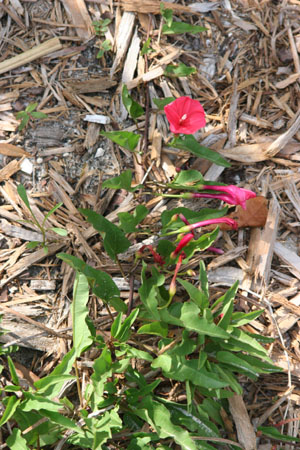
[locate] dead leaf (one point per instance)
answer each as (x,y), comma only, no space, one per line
(13,151)
(255,214)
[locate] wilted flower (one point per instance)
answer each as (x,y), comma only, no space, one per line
(157,258)
(185,115)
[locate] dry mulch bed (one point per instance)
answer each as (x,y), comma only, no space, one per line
(247,79)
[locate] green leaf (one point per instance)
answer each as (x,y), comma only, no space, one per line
(48,386)
(23,194)
(126,139)
(59,231)
(23,123)
(102,284)
(12,370)
(114,239)
(82,338)
(273,433)
(39,115)
(191,180)
(15,441)
(156,328)
(130,221)
(167,14)
(49,213)
(237,364)
(31,107)
(205,241)
(122,181)
(21,114)
(146,47)
(258,365)
(239,318)
(162,102)
(197,296)
(244,342)
(190,144)
(190,318)
(149,294)
(182,27)
(133,108)
(38,402)
(102,371)
(180,70)
(121,332)
(203,280)
(227,300)
(10,409)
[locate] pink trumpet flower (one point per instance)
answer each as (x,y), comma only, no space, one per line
(182,243)
(185,115)
(204,223)
(233,195)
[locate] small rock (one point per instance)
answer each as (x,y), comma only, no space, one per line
(27,166)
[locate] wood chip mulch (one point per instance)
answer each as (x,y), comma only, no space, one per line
(247,79)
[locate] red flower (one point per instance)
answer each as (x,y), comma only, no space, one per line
(182,243)
(185,115)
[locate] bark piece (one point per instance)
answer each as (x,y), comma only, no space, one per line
(245,430)
(79,16)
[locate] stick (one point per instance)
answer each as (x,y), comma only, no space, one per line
(30,55)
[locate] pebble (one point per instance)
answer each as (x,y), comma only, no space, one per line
(26,166)
(39,160)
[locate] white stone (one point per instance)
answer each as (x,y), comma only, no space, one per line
(100,152)
(27,166)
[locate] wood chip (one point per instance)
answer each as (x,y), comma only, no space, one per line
(245,430)
(79,16)
(288,257)
(30,55)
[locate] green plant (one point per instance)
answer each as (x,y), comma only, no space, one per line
(41,226)
(124,405)
(101,27)
(28,114)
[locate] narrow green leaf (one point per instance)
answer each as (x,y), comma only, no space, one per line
(60,231)
(181,70)
(274,433)
(23,194)
(39,115)
(49,213)
(190,144)
(51,387)
(114,239)
(167,14)
(126,139)
(146,47)
(11,407)
(21,114)
(162,102)
(82,338)
(23,123)
(240,318)
(238,365)
(259,365)
(182,27)
(156,328)
(31,107)
(13,373)
(133,108)
(123,332)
